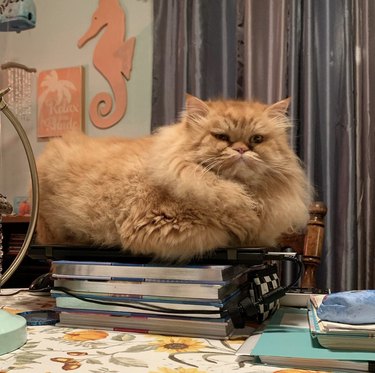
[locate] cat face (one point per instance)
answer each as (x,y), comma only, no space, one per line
(239,140)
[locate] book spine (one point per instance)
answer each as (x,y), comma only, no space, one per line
(159,301)
(189,315)
(119,270)
(114,329)
(151,289)
(314,327)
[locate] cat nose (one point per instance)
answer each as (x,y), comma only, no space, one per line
(240,147)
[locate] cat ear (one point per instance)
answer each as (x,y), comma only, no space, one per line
(279,108)
(195,107)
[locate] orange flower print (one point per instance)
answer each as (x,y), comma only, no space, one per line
(62,359)
(177,344)
(69,363)
(86,335)
(14,311)
(71,366)
(76,353)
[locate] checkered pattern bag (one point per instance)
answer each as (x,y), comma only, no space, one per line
(262,281)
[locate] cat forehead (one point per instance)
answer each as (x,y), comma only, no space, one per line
(238,115)
(233,107)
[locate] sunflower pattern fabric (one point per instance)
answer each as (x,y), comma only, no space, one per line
(57,349)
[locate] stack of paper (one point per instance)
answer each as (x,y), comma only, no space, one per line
(338,335)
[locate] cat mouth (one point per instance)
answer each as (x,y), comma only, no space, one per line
(233,163)
(244,168)
(248,159)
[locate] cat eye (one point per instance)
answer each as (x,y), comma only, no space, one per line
(256,139)
(221,136)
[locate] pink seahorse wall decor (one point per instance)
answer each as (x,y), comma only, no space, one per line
(113,58)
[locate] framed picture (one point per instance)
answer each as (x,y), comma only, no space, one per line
(60,101)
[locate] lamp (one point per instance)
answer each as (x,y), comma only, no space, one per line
(12,327)
(13,333)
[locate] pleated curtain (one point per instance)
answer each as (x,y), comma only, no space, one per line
(320,53)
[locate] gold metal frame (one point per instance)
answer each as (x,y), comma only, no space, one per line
(34,187)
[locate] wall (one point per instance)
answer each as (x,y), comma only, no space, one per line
(53,44)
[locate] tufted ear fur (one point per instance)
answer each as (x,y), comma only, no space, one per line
(195,108)
(279,108)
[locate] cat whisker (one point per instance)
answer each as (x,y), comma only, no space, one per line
(253,156)
(210,166)
(209,161)
(203,167)
(221,164)
(256,157)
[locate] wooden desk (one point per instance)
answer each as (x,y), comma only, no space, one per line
(55,349)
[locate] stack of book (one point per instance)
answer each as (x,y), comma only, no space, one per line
(190,300)
(15,242)
(297,338)
(333,335)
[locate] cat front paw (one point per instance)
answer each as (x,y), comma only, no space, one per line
(243,226)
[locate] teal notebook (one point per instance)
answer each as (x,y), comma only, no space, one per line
(287,341)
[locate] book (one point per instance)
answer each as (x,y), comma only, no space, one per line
(218,329)
(287,341)
(339,335)
(144,305)
(193,300)
(299,297)
(110,270)
(158,288)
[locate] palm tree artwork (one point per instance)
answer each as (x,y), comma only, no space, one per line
(60,101)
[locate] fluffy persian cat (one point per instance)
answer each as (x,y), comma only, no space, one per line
(223,176)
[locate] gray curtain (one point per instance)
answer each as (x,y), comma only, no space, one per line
(265,51)
(169,61)
(319,52)
(364,131)
(335,85)
(328,142)
(195,51)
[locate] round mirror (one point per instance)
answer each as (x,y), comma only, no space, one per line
(34,187)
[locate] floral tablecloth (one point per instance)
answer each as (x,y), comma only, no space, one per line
(57,349)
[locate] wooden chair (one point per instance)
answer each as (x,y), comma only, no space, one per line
(309,244)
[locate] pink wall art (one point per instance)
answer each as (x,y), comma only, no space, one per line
(60,101)
(113,58)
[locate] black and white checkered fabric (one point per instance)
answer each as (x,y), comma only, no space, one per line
(262,282)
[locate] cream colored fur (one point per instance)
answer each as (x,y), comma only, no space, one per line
(181,192)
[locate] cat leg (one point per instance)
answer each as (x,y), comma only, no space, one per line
(172,239)
(182,236)
(47,234)
(43,233)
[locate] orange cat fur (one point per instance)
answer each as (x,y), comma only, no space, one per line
(223,176)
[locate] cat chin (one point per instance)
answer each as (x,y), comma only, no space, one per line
(243,169)
(244,176)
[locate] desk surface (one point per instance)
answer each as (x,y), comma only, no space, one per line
(57,349)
